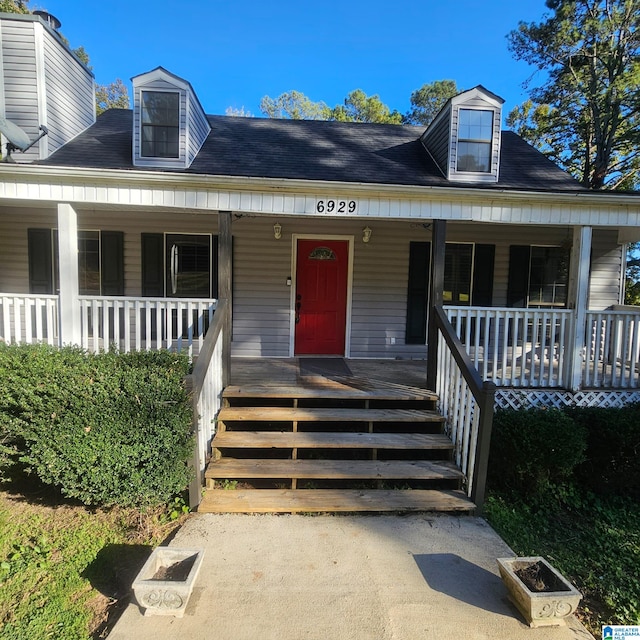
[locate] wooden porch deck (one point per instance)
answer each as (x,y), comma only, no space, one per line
(314,373)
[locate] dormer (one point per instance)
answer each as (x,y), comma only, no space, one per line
(169,123)
(464,138)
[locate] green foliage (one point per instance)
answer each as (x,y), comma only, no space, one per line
(294,105)
(586,114)
(359,107)
(14,6)
(427,101)
(594,541)
(532,449)
(106,429)
(111,96)
(612,464)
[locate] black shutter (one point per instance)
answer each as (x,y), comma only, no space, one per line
(214,267)
(153,264)
(40,261)
(112,263)
(518,287)
(485,256)
(418,292)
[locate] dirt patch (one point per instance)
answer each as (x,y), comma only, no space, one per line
(538,578)
(178,571)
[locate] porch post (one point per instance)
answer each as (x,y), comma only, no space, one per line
(578,296)
(436,286)
(224,288)
(68,261)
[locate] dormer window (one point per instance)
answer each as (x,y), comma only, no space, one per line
(475,135)
(160,124)
(169,123)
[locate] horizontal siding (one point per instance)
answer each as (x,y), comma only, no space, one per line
(606,269)
(198,128)
(437,141)
(70,94)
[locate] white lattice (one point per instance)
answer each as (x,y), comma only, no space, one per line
(528,398)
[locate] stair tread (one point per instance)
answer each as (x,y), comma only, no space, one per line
(330,500)
(334,469)
(374,390)
(290,414)
(330,440)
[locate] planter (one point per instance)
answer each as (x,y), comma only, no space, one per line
(546,598)
(166,580)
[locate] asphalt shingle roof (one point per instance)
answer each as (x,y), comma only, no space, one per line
(312,150)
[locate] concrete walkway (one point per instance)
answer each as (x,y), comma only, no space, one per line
(294,577)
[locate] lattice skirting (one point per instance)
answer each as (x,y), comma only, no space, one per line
(528,398)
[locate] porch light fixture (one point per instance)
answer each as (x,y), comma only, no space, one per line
(366,234)
(277,231)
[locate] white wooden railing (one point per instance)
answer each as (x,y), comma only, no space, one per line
(205,385)
(612,352)
(29,318)
(134,324)
(515,347)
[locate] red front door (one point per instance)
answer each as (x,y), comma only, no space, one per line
(321,297)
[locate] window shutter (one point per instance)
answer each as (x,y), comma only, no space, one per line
(40,261)
(153,264)
(518,287)
(418,292)
(484,261)
(112,263)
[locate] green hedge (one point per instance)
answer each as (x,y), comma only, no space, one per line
(532,449)
(106,429)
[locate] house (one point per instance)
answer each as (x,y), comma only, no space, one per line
(361,241)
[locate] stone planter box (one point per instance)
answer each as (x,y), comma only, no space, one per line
(166,580)
(539,608)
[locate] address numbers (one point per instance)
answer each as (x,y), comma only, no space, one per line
(336,206)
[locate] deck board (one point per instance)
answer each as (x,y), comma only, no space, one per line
(329,500)
(228,468)
(290,414)
(329,440)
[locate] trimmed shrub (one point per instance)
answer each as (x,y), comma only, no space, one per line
(612,464)
(533,449)
(106,429)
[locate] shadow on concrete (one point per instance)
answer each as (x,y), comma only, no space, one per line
(456,577)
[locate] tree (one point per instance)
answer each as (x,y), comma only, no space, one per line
(586,116)
(238,112)
(14,6)
(358,107)
(111,96)
(294,105)
(427,101)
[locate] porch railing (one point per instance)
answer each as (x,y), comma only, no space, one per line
(612,350)
(134,324)
(466,402)
(205,385)
(29,318)
(515,347)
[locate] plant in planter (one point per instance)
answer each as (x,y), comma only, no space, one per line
(166,580)
(541,594)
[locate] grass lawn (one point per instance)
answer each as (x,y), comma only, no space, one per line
(593,541)
(65,570)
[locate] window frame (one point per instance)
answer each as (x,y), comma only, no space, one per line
(485,142)
(154,142)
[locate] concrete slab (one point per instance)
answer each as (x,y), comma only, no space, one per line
(294,577)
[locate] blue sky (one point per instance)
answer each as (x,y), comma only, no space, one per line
(236,51)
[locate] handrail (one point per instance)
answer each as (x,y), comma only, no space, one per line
(483,393)
(205,385)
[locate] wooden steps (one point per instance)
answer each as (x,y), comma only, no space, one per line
(327,500)
(351,445)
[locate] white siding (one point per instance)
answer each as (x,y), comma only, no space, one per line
(198,128)
(606,270)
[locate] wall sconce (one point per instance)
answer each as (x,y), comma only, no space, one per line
(277,231)
(366,234)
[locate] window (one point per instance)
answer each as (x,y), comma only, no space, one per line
(160,125)
(538,276)
(100,262)
(475,135)
(468,280)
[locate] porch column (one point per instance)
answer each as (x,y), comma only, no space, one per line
(436,286)
(68,261)
(224,288)
(578,295)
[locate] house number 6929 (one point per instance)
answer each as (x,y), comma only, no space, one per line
(336,206)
